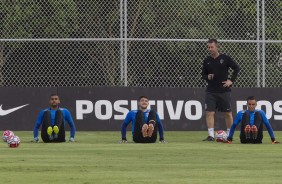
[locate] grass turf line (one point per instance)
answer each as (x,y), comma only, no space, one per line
(97,157)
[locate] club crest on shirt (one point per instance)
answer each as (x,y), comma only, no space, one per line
(221,61)
(279,63)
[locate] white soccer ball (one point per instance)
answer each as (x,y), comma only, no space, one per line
(221,136)
(13,141)
(6,134)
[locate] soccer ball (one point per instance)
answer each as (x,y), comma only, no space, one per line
(221,136)
(13,141)
(6,134)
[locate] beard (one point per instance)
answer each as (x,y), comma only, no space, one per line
(54,106)
(143,107)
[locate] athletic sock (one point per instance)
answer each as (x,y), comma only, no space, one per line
(227,131)
(211,132)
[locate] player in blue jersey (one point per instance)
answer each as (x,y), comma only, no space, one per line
(252,121)
(53,121)
(145,124)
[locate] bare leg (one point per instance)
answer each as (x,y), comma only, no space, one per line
(228,119)
(210,119)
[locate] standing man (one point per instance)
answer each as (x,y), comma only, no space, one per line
(145,124)
(252,121)
(218,93)
(53,121)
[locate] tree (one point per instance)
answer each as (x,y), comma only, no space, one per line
(32,19)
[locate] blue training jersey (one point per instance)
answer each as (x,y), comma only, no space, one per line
(66,115)
(239,117)
(130,118)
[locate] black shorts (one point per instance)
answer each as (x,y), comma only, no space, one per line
(218,101)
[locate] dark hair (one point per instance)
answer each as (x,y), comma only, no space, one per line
(142,96)
(53,94)
(251,98)
(213,40)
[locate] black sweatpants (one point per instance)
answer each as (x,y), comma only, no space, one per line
(259,124)
(59,121)
(137,135)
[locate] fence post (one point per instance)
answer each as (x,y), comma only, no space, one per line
(263,42)
(121,43)
(125,43)
(258,44)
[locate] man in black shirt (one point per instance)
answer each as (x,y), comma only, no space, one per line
(218,92)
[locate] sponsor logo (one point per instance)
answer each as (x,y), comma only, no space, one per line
(8,111)
(266,106)
(167,109)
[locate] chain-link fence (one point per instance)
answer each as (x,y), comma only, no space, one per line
(136,43)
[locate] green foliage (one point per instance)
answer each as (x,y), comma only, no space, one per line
(38,19)
(164,19)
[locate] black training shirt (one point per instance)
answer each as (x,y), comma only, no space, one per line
(219,67)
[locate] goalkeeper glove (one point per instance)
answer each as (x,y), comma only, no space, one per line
(36,139)
(273,141)
(71,139)
(162,140)
(123,140)
(229,140)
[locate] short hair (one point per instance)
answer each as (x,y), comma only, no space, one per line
(142,96)
(251,98)
(53,94)
(213,40)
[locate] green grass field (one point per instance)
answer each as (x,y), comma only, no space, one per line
(98,157)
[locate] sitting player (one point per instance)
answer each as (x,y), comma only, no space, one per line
(252,124)
(145,124)
(53,121)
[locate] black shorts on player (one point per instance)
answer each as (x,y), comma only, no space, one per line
(218,101)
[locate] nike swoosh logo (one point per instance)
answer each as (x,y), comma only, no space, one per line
(5,112)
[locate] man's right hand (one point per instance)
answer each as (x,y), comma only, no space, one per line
(210,76)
